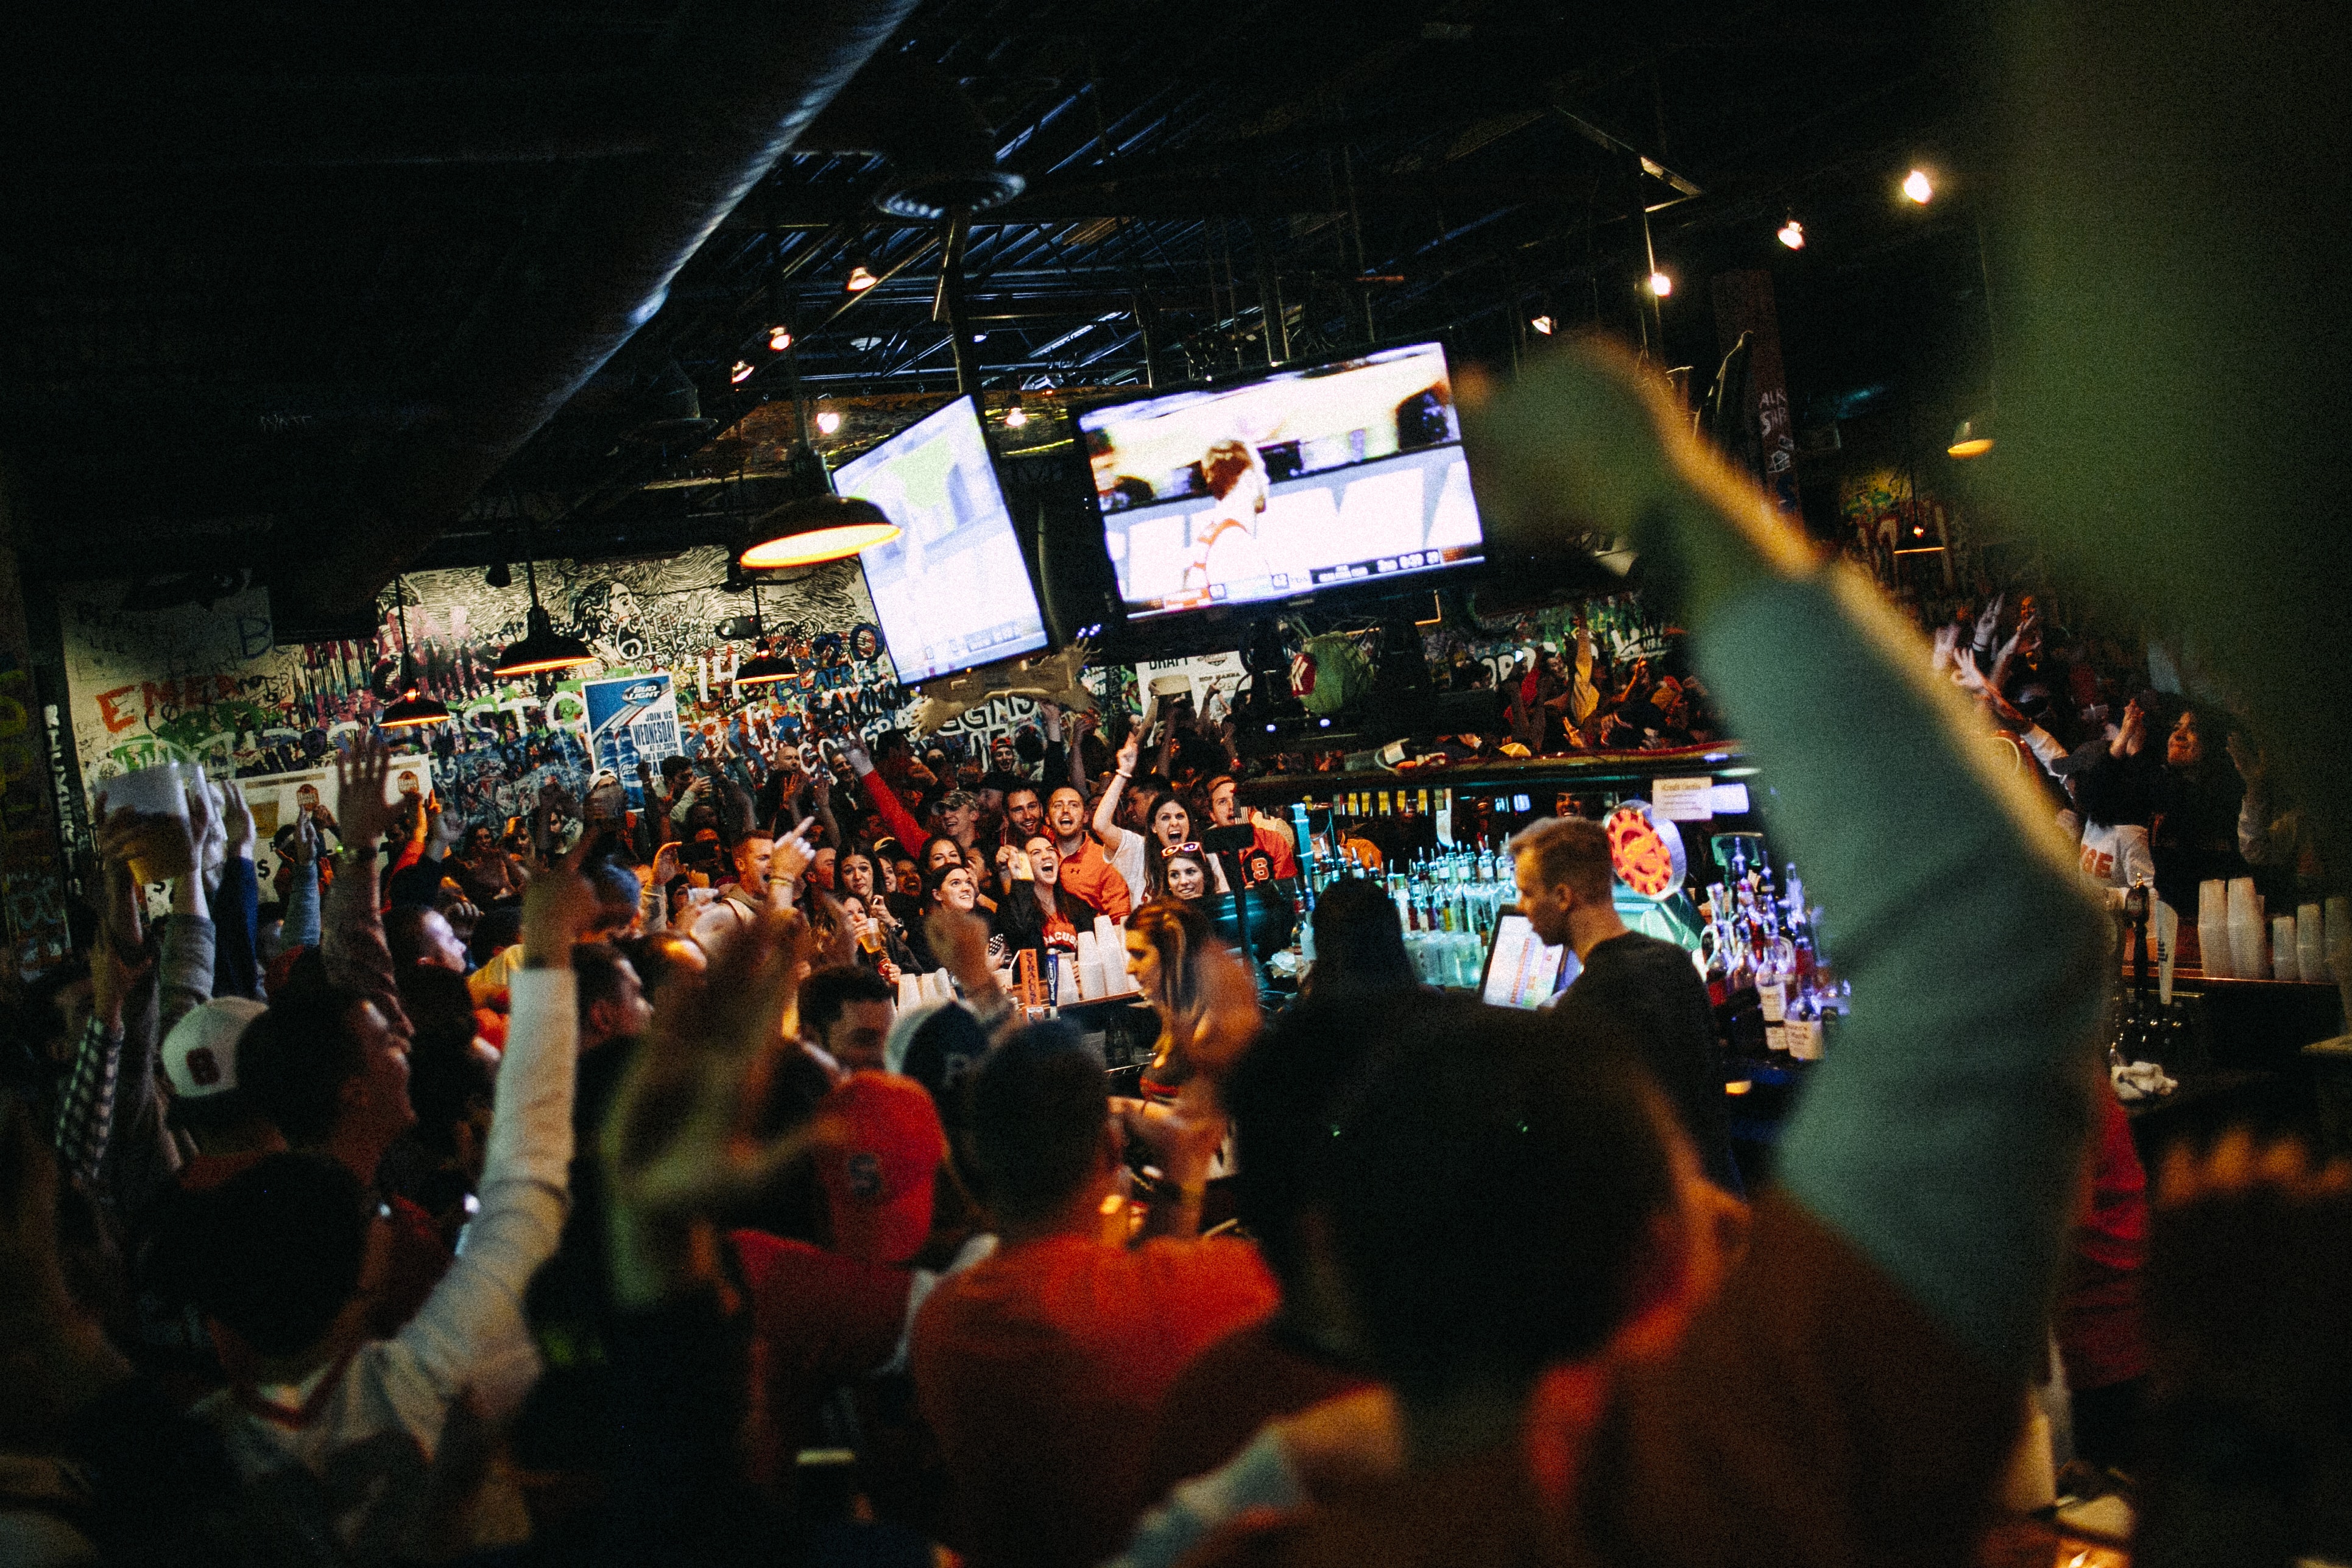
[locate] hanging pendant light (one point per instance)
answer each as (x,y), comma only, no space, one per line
(542,649)
(1972,439)
(413,710)
(816,528)
(765,668)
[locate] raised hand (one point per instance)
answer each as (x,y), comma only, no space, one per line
(678,1141)
(1132,749)
(790,861)
(557,908)
(205,829)
(440,830)
(236,818)
(1989,622)
(960,938)
(360,775)
(665,867)
(305,841)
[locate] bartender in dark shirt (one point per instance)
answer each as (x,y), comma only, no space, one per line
(1643,991)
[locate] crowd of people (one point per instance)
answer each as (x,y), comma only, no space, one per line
(2151,782)
(596,1197)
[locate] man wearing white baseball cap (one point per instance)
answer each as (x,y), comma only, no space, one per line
(200,1064)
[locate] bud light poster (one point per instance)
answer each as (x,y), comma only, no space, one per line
(631,717)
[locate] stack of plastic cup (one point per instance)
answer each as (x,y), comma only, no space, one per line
(911,991)
(2213,929)
(2247,934)
(157,791)
(1090,987)
(2284,963)
(2310,944)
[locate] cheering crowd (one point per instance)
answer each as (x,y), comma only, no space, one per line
(599,1202)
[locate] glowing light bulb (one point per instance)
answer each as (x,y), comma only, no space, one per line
(1543,324)
(828,420)
(861,277)
(779,338)
(741,373)
(1793,235)
(1660,284)
(1015,417)
(1919,187)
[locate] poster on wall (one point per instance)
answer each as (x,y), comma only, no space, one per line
(631,718)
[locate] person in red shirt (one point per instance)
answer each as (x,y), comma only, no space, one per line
(1041,1370)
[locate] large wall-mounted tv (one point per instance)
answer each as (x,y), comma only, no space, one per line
(951,592)
(1293,483)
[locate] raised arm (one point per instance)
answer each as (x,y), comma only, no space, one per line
(893,815)
(352,941)
(236,910)
(302,904)
(1107,813)
(1942,1139)
(476,1312)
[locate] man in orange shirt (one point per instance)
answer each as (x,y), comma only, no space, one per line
(1041,1370)
(1085,870)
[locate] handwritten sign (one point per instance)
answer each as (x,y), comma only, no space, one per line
(1682,800)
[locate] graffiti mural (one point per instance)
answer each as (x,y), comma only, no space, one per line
(208,682)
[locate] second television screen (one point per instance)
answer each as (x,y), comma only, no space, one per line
(952,590)
(1302,480)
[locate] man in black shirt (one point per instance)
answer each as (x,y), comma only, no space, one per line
(1643,991)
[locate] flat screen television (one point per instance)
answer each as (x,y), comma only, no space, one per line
(1522,970)
(951,592)
(1293,483)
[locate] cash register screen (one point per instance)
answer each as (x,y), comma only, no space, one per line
(1522,971)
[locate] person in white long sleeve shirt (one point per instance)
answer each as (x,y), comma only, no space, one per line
(363,1440)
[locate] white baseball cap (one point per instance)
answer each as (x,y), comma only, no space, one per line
(200,1053)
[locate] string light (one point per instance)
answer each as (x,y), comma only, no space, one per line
(1793,235)
(741,373)
(1660,284)
(1015,417)
(1919,187)
(828,420)
(1543,324)
(779,338)
(861,277)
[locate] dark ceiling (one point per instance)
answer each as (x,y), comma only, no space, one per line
(334,291)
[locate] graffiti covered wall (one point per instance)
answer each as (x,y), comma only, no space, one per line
(206,684)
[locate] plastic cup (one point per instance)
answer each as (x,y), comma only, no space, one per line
(2311,943)
(2244,904)
(2284,961)
(2248,950)
(157,791)
(2213,949)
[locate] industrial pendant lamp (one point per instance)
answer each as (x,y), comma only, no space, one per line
(1972,439)
(816,529)
(413,710)
(766,667)
(542,649)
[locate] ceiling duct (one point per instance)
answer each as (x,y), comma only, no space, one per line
(942,155)
(674,405)
(761,72)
